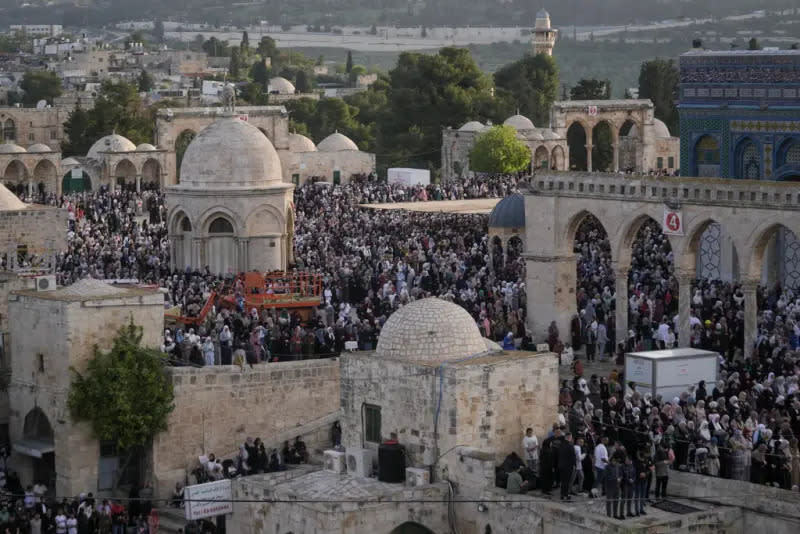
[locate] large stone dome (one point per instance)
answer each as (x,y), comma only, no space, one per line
(508,213)
(520,122)
(39,147)
(659,129)
(336,142)
(301,143)
(281,86)
(9,201)
(230,153)
(110,143)
(430,331)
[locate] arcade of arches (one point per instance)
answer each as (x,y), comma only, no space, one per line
(624,207)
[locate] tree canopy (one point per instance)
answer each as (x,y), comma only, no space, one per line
(124,394)
(320,118)
(591,89)
(39,85)
(658,81)
(499,151)
(531,85)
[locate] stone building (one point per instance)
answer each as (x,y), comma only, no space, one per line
(28,126)
(67,323)
(335,160)
(548,147)
(738,112)
(36,169)
(666,148)
(544,37)
(114,161)
(231,210)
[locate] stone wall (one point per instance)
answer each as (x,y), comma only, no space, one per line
(217,408)
(33,126)
(323,164)
(41,229)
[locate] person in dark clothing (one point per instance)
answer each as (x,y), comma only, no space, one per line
(546,464)
(566,464)
(612,479)
(628,484)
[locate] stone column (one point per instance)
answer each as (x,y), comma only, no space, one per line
(615,164)
(589,157)
(176,252)
(550,292)
(621,305)
(750,315)
(138,183)
(198,244)
(244,260)
(684,307)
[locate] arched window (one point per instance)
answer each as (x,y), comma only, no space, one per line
(706,157)
(9,130)
(793,154)
(186,224)
(220,226)
(748,165)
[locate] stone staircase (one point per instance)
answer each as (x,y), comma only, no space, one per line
(171,519)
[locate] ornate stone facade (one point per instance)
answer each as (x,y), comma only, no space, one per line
(25,171)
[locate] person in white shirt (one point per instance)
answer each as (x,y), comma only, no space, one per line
(600,461)
(61,523)
(663,332)
(531,447)
(72,524)
(577,475)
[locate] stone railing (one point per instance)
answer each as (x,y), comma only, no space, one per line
(645,188)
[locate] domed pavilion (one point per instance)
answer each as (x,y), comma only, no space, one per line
(231,210)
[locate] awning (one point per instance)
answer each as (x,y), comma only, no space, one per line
(33,447)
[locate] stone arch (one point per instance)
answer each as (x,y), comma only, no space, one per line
(37,426)
(265,220)
(202,223)
(222,245)
(45,176)
(182,232)
(76,184)
(181,144)
(540,158)
(290,236)
(629,139)
(628,234)
(411,527)
(15,176)
(603,143)
(625,129)
(151,172)
(557,159)
(788,152)
(786,249)
(574,224)
(706,152)
(514,247)
(221,225)
(125,173)
(747,158)
(576,141)
(697,236)
(8,128)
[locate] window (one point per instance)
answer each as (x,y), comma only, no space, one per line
(186,225)
(31,137)
(40,362)
(660,163)
(708,151)
(372,423)
(793,155)
(53,134)
(220,226)
(749,167)
(671,162)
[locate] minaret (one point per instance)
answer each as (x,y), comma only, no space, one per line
(544,37)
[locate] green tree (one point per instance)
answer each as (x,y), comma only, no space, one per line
(531,84)
(245,44)
(267,47)
(259,73)
(349,64)
(235,64)
(39,85)
(76,127)
(355,72)
(498,151)
(752,44)
(301,82)
(591,89)
(216,48)
(658,81)
(255,94)
(124,394)
(145,82)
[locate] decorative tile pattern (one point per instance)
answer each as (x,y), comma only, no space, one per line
(791,260)
(711,253)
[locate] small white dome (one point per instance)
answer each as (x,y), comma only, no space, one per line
(542,20)
(472,126)
(301,143)
(336,142)
(146,147)
(534,135)
(549,134)
(39,147)
(230,153)
(280,85)
(9,201)
(430,331)
(70,162)
(519,122)
(661,129)
(11,148)
(110,143)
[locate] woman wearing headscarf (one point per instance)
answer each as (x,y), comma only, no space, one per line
(758,468)
(740,450)
(208,351)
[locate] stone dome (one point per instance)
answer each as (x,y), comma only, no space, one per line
(535,135)
(146,147)
(110,143)
(301,143)
(508,213)
(520,122)
(9,201)
(472,126)
(549,134)
(280,85)
(336,142)
(39,147)
(230,153)
(11,148)
(659,129)
(542,20)
(430,331)
(68,162)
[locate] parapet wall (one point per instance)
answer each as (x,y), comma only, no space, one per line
(217,408)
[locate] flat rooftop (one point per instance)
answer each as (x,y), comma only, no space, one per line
(477,206)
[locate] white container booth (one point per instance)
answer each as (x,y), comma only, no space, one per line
(670,372)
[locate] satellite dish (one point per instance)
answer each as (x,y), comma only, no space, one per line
(41,104)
